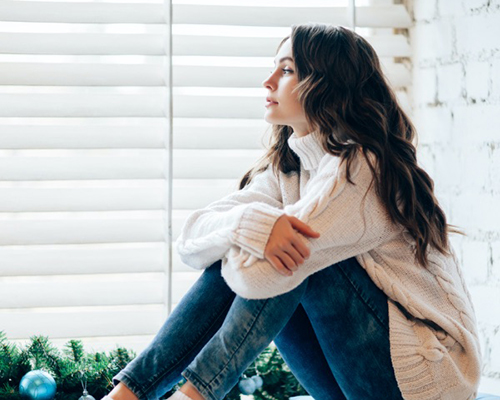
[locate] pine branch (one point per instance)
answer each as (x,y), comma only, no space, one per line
(74,350)
(45,354)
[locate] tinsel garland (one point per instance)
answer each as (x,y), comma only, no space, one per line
(99,368)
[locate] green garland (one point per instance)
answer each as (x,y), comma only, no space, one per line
(98,369)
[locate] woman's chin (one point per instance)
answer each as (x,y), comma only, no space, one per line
(270,119)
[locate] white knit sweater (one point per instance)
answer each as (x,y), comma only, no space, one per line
(435,349)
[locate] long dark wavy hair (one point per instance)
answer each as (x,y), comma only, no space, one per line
(348,101)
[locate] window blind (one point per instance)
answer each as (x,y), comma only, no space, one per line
(85,122)
(99,168)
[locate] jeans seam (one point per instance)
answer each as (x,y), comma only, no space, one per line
(374,312)
(239,346)
(140,393)
(195,378)
(165,372)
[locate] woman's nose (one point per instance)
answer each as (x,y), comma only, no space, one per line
(267,83)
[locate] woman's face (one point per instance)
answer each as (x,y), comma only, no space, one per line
(285,108)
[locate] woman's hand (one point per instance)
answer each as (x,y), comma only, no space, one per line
(284,249)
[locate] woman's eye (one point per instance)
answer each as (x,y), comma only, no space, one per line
(283,69)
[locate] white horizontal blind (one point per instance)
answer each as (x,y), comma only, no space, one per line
(97,208)
(85,133)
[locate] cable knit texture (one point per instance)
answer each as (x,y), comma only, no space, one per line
(433,336)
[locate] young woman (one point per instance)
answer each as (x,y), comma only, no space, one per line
(335,247)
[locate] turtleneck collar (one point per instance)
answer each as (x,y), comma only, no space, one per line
(308,148)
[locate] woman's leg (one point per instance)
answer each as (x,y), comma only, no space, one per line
(222,355)
(300,349)
(188,328)
(349,315)
(346,315)
(250,326)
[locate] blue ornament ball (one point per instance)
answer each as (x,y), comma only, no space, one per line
(258,381)
(37,385)
(247,386)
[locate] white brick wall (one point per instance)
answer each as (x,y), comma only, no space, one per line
(456,110)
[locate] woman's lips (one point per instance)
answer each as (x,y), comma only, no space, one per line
(270,103)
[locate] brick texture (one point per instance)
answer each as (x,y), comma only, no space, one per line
(455,101)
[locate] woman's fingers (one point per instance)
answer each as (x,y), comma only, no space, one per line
(301,248)
(280,267)
(303,227)
(287,261)
(295,255)
(285,249)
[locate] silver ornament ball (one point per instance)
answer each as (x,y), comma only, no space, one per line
(86,396)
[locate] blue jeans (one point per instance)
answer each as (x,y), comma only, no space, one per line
(332,331)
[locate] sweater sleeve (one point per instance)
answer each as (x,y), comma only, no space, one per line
(351,220)
(244,218)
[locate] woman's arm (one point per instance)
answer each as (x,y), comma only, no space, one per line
(349,224)
(241,219)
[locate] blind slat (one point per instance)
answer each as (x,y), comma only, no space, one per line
(387,46)
(90,291)
(88,227)
(77,43)
(90,259)
(151,45)
(93,258)
(74,228)
(74,197)
(130,133)
(82,12)
(110,195)
(188,164)
(83,104)
(394,15)
(81,290)
(106,321)
(71,74)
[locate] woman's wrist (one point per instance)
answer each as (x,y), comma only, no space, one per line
(255,227)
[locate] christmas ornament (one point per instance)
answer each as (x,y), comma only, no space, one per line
(247,386)
(86,395)
(37,385)
(258,381)
(250,385)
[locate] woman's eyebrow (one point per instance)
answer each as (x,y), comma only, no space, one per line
(284,58)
